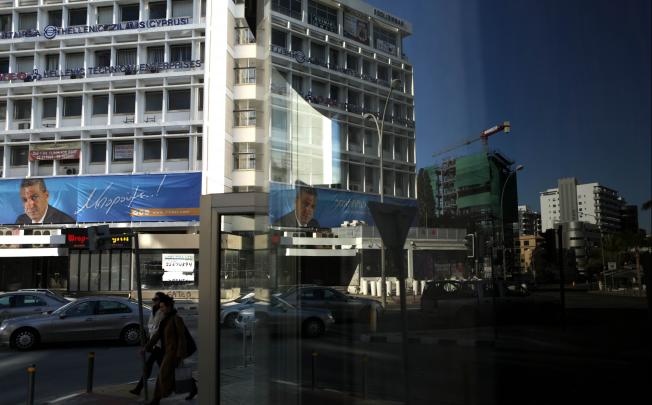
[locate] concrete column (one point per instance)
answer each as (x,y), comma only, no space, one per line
(410,262)
(373,288)
(364,286)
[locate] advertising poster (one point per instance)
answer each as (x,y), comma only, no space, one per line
(314,207)
(129,198)
(356,28)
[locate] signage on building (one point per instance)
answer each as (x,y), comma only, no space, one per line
(54,151)
(355,28)
(123,152)
(142,68)
(178,266)
(51,32)
(385,46)
(388,17)
(77,238)
(113,198)
(331,207)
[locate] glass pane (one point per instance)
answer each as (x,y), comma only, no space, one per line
(105,274)
(73,271)
(126,270)
(94,271)
(115,271)
(84,259)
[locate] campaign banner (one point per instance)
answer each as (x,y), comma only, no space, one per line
(137,198)
(356,28)
(54,151)
(316,207)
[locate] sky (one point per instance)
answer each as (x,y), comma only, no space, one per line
(571,76)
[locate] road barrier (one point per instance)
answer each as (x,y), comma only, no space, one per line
(31,375)
(89,375)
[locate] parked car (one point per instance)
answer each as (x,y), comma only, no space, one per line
(229,310)
(281,317)
(482,301)
(19,303)
(89,318)
(49,292)
(343,307)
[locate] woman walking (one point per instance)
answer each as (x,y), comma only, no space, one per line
(171,333)
(156,355)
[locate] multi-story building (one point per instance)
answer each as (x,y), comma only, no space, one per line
(590,203)
(529,221)
(527,245)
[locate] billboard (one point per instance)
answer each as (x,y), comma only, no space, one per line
(128,198)
(314,207)
(356,28)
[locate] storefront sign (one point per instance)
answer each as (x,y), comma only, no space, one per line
(178,267)
(77,238)
(54,151)
(114,198)
(355,28)
(51,32)
(142,68)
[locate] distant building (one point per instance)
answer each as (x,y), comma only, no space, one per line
(591,203)
(527,245)
(529,221)
(629,218)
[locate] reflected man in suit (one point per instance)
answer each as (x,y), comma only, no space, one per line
(34,195)
(305,204)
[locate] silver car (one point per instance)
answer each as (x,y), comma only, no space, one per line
(19,303)
(90,318)
(229,310)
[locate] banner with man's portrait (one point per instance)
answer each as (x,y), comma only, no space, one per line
(356,28)
(140,198)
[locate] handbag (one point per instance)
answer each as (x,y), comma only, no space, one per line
(183,381)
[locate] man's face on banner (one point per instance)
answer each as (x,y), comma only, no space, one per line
(35,201)
(305,207)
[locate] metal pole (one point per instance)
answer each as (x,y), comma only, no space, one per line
(141,318)
(31,374)
(398,262)
(89,375)
(502,220)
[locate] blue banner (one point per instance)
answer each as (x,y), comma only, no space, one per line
(150,197)
(314,207)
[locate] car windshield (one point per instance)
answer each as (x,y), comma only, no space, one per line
(279,302)
(244,298)
(63,309)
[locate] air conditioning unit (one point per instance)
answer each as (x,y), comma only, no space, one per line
(69,170)
(23,125)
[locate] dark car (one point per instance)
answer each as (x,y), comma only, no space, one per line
(343,307)
(483,301)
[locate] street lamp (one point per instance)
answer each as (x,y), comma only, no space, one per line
(502,213)
(379,128)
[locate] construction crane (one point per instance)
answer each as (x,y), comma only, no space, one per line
(484,137)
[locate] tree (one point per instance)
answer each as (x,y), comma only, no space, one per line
(425,199)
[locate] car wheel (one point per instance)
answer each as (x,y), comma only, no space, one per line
(25,339)
(229,320)
(131,335)
(313,328)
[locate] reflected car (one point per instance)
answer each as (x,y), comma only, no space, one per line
(279,316)
(343,307)
(482,301)
(89,318)
(229,310)
(52,293)
(19,303)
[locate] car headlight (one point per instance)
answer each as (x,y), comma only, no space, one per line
(330,317)
(3,326)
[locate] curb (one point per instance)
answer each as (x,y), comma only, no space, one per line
(428,340)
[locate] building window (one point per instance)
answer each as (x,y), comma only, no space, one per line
(245,74)
(77,16)
(279,38)
(179,100)
(180,53)
(244,36)
(181,8)
(98,152)
(5,22)
(103,58)
(198,153)
(122,151)
(25,64)
(55,18)
(152,149)
(124,103)
(3,110)
(322,16)
(22,109)
(105,15)
(101,104)
(129,13)
(244,155)
(244,113)
(155,54)
(19,155)
(72,106)
(4,65)
(290,8)
(126,57)
(153,101)
(200,103)
(50,108)
(177,148)
(157,10)
(75,61)
(384,40)
(52,62)
(26,21)
(297,43)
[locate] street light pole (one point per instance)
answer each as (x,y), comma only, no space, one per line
(379,129)
(502,213)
